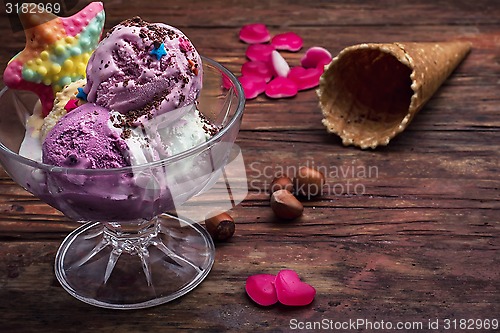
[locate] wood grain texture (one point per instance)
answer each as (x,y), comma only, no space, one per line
(418,241)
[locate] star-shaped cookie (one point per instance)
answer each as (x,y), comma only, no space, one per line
(56,53)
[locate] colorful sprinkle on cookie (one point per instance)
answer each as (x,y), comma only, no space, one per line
(56,53)
(71,105)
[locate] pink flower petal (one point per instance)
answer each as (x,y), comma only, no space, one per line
(305,78)
(281,87)
(254,33)
(316,56)
(257,68)
(288,41)
(253,86)
(291,291)
(280,66)
(261,289)
(259,52)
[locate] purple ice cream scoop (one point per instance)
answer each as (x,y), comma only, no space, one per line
(143,70)
(84,139)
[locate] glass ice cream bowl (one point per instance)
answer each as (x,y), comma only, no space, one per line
(133,250)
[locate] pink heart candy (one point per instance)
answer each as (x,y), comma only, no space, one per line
(316,57)
(288,41)
(255,33)
(253,86)
(259,52)
(291,291)
(261,289)
(281,87)
(305,78)
(257,68)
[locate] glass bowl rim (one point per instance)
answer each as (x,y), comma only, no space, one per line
(163,162)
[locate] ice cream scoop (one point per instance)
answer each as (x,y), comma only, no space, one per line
(144,70)
(161,139)
(84,139)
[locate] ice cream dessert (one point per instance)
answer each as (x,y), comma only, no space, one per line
(137,104)
(149,75)
(142,83)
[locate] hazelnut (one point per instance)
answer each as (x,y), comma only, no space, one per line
(281,183)
(221,227)
(285,205)
(309,182)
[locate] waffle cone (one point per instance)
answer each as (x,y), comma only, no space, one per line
(370,92)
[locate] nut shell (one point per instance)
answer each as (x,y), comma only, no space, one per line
(285,205)
(221,227)
(309,182)
(281,183)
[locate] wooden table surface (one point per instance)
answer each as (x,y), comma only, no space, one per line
(418,241)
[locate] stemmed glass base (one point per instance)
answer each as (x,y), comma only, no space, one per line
(133,266)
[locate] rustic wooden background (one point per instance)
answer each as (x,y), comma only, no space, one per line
(420,243)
